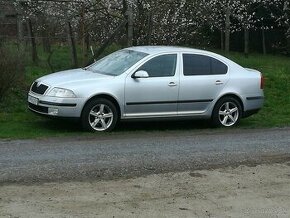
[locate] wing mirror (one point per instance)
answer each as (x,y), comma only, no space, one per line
(140,74)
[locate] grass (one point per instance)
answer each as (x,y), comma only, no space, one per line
(16,122)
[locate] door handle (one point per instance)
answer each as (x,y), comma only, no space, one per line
(218,82)
(172,84)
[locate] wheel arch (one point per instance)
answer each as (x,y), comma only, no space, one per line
(108,97)
(216,122)
(232,95)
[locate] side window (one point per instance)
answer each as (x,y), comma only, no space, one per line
(161,66)
(218,67)
(196,65)
(202,65)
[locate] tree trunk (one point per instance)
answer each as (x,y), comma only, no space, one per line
(264,41)
(46,43)
(87,42)
(45,40)
(49,61)
(32,41)
(246,42)
(288,45)
(227,30)
(150,28)
(20,32)
(83,34)
(71,40)
(130,22)
(222,40)
(125,8)
(288,40)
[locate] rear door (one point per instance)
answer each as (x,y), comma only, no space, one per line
(202,79)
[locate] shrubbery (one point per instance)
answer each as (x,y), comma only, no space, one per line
(11,71)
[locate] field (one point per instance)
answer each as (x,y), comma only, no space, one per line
(17,122)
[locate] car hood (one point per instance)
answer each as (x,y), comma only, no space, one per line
(67,77)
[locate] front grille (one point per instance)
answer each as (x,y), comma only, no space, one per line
(39,89)
(38,108)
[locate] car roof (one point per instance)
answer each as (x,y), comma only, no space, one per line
(154,50)
(162,49)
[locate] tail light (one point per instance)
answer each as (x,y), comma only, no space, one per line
(262,84)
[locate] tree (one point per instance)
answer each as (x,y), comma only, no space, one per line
(184,22)
(280,11)
(218,15)
(248,18)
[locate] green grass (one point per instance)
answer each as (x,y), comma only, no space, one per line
(17,122)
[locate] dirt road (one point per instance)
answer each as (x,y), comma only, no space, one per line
(260,192)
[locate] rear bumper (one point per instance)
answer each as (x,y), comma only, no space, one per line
(253,105)
(253,102)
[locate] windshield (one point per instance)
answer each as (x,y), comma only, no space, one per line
(117,63)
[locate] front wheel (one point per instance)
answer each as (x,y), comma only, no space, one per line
(227,112)
(99,115)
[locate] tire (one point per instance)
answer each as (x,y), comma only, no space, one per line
(227,112)
(99,115)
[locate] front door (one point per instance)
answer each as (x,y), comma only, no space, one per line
(157,95)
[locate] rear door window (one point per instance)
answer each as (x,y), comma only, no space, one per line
(194,64)
(217,67)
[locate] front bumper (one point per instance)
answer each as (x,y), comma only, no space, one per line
(56,107)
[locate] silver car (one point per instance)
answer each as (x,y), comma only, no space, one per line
(150,82)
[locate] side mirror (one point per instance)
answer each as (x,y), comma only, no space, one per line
(140,74)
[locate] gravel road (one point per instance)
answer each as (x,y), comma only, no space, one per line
(123,155)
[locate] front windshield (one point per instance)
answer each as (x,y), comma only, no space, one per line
(117,63)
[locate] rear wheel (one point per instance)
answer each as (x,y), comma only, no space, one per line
(227,112)
(99,115)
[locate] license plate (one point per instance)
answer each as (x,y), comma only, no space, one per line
(32,100)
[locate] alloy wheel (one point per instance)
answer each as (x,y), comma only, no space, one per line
(101,117)
(228,114)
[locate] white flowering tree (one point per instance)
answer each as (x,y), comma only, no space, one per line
(100,22)
(218,14)
(248,17)
(280,12)
(74,19)
(166,22)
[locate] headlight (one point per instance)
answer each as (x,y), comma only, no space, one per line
(61,93)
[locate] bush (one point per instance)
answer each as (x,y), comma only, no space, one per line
(11,71)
